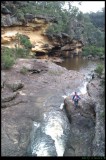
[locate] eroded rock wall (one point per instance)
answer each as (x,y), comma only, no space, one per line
(35,27)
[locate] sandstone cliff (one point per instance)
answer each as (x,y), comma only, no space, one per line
(35,28)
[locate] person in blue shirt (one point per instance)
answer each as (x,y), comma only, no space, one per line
(76,99)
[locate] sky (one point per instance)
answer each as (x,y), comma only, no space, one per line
(90,6)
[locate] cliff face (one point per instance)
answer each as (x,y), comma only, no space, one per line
(35,27)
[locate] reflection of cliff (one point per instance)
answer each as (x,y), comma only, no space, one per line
(35,27)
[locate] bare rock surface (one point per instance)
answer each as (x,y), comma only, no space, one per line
(87,122)
(82,126)
(40,91)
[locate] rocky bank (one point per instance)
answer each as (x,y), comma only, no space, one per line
(33,88)
(27,97)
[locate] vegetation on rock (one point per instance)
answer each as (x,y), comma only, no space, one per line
(24,70)
(89,27)
(7,58)
(99,69)
(93,50)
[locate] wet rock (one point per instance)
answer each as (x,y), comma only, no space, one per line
(69,152)
(51,136)
(41,144)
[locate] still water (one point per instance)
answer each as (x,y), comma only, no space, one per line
(79,64)
(85,66)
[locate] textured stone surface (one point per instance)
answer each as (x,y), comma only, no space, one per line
(35,28)
(40,91)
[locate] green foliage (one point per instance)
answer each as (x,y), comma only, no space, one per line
(24,70)
(20,15)
(24,41)
(21,53)
(9,55)
(102,83)
(89,27)
(7,58)
(98,18)
(93,50)
(99,69)
(102,115)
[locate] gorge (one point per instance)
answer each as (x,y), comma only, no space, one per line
(37,114)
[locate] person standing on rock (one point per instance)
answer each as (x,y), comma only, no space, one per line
(76,99)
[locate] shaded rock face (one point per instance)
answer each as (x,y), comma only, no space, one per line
(95,90)
(87,122)
(35,28)
(82,131)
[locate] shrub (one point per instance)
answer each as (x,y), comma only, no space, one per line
(85,51)
(93,50)
(7,58)
(21,53)
(25,41)
(20,15)
(24,70)
(102,115)
(99,69)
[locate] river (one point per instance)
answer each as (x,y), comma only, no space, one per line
(79,64)
(82,65)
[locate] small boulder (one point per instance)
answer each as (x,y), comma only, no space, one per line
(15,86)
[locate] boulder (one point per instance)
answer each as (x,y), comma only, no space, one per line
(82,127)
(4,10)
(15,86)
